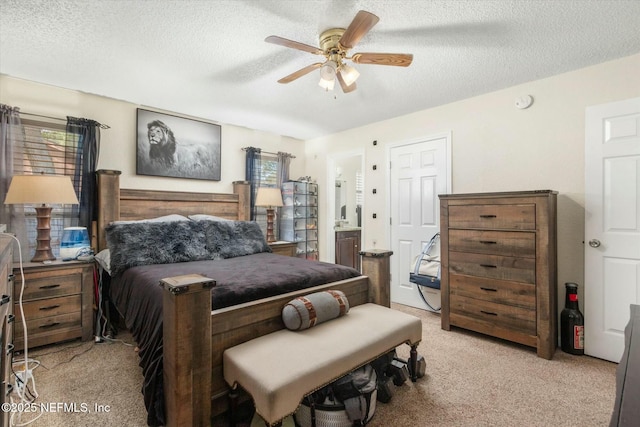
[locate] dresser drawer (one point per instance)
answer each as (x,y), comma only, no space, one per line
(497,291)
(503,316)
(39,285)
(489,216)
(493,266)
(510,243)
(49,307)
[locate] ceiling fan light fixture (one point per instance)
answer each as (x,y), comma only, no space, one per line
(328,75)
(327,84)
(328,70)
(349,74)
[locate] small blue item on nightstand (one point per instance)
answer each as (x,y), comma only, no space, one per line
(75,241)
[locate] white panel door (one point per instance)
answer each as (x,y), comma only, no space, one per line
(612,224)
(418,173)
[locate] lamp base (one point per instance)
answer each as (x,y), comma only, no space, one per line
(43,241)
(270,236)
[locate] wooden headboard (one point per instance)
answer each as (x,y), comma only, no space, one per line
(116,204)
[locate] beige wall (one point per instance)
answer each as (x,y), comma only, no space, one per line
(118,144)
(496,147)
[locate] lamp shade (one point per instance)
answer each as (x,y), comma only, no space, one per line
(267,196)
(41,189)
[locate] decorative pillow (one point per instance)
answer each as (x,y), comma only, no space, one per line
(313,309)
(204,217)
(165,218)
(230,239)
(144,243)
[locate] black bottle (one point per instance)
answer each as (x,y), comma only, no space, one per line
(572,323)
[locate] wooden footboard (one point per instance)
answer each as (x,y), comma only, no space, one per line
(186,301)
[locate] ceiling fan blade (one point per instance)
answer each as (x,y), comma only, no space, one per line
(343,85)
(395,59)
(294,45)
(301,72)
(361,24)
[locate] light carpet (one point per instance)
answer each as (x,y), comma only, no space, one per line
(471,380)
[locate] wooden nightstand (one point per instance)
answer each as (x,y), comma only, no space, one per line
(283,248)
(57,300)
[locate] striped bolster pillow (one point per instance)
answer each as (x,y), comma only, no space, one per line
(313,309)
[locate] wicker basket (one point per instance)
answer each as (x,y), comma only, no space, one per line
(331,413)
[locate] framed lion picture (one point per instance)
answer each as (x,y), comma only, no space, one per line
(177,147)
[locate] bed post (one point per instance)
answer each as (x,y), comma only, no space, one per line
(243,190)
(108,202)
(187,350)
(377,266)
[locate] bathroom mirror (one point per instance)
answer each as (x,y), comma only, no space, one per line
(348,192)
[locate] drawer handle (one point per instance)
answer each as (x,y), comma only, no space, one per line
(488,242)
(49,325)
(49,286)
(11,318)
(9,389)
(11,278)
(488,289)
(488,266)
(50,307)
(488,216)
(10,348)
(488,313)
(5,299)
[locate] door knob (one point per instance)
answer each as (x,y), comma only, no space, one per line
(594,243)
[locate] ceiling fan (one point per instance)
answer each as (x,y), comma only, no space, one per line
(335,44)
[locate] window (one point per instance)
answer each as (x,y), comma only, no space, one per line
(266,173)
(47,148)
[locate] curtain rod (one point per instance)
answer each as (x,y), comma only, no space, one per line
(60,119)
(269,152)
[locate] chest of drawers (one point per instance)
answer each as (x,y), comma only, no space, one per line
(498,253)
(57,302)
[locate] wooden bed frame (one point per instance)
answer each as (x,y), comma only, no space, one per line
(194,336)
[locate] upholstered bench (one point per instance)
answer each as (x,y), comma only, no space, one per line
(280,368)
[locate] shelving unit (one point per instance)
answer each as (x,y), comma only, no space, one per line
(299,217)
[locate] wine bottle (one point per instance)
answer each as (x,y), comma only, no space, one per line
(572,322)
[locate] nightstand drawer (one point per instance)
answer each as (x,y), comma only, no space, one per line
(41,285)
(493,266)
(506,217)
(510,243)
(49,307)
(46,326)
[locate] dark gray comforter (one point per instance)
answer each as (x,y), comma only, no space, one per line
(138,297)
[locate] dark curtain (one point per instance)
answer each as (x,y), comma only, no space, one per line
(253,164)
(84,160)
(284,160)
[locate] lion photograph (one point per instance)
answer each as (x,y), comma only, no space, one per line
(177,147)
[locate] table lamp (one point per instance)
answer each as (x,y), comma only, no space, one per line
(42,191)
(269,198)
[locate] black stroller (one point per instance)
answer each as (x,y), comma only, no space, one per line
(425,271)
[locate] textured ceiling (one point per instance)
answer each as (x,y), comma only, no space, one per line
(208,58)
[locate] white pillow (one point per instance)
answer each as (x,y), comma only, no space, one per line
(204,217)
(104,259)
(165,218)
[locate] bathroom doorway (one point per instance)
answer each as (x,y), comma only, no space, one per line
(346,203)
